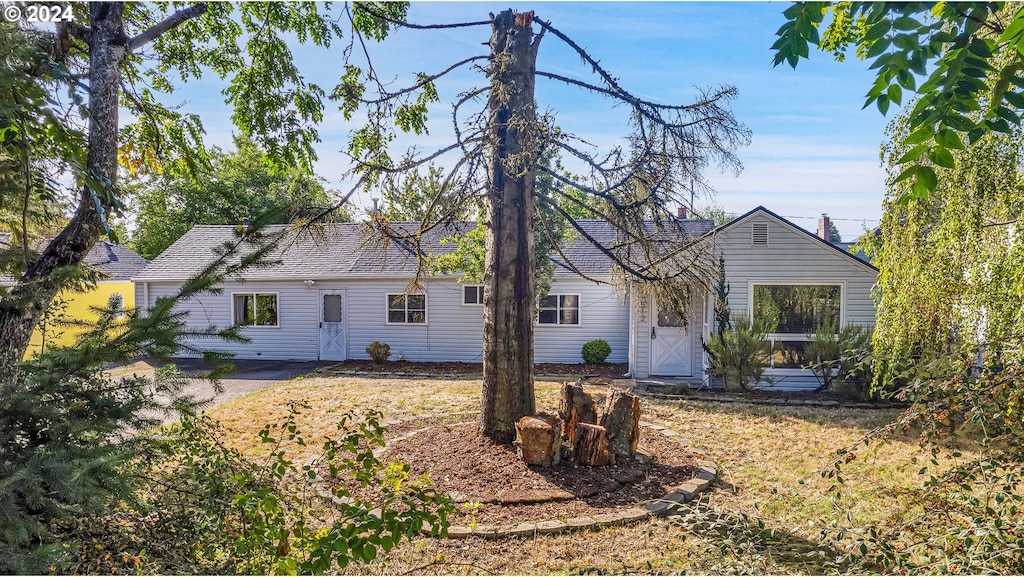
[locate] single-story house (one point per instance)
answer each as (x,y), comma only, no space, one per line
(333,294)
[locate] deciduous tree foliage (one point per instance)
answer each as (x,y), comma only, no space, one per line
(116,54)
(499,138)
(240,184)
(960,62)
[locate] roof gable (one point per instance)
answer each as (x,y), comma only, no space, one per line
(760,210)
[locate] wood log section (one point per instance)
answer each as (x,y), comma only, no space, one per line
(539,440)
(591,446)
(575,407)
(621,420)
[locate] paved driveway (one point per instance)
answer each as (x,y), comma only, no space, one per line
(249,375)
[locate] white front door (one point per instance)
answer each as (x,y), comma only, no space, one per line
(332,325)
(671,344)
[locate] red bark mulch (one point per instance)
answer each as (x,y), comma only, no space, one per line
(473,469)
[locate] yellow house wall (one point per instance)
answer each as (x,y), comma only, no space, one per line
(79,308)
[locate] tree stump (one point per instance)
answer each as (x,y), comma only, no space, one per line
(575,407)
(591,446)
(621,419)
(539,440)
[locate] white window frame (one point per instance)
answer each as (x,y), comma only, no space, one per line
(799,337)
(480,293)
(558,310)
(118,312)
(406,323)
(277,299)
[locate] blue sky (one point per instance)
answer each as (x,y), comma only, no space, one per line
(813,149)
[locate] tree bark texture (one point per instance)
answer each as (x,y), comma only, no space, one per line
(591,446)
(575,407)
(621,418)
(508,270)
(539,440)
(21,308)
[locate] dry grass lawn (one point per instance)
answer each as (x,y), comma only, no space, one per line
(768,456)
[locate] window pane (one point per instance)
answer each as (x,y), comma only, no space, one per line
(396,302)
(668,318)
(569,300)
(548,317)
(797,309)
(549,302)
(417,302)
(789,354)
(417,317)
(570,317)
(332,308)
(396,316)
(469,295)
(116,304)
(244,309)
(266,310)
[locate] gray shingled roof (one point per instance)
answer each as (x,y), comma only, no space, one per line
(117,262)
(353,250)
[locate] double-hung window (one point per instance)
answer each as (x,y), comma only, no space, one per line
(255,309)
(473,294)
(559,310)
(407,309)
(795,312)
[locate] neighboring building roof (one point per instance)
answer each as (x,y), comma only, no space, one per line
(760,209)
(117,262)
(354,250)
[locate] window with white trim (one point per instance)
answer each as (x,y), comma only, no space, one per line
(116,305)
(407,309)
(795,312)
(559,310)
(255,309)
(473,295)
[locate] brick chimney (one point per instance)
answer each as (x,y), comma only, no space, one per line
(681,213)
(824,227)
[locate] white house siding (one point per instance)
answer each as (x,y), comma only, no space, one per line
(295,338)
(603,315)
(792,256)
(453,331)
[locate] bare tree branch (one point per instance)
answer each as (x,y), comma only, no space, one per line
(424,81)
(369,10)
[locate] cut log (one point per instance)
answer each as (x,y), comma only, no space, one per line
(591,446)
(539,440)
(575,407)
(594,380)
(621,419)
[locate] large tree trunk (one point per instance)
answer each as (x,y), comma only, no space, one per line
(508,274)
(21,308)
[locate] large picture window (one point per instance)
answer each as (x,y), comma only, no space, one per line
(559,310)
(407,309)
(255,309)
(795,313)
(798,309)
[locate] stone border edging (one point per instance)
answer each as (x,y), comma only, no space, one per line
(406,374)
(727,398)
(666,505)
